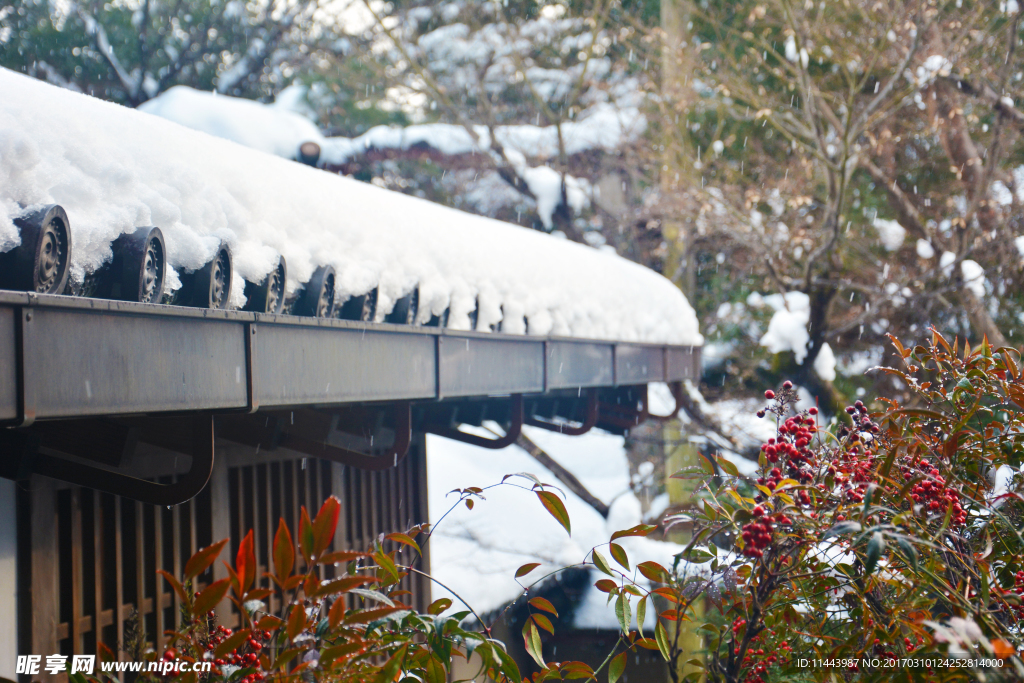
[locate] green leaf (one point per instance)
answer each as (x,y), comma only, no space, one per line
(392,667)
(847,527)
(623,612)
(602,563)
(616,667)
(728,467)
(620,555)
(641,614)
(910,552)
(875,547)
(554,505)
(531,636)
(661,637)
(439,606)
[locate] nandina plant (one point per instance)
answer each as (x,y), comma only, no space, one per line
(886,546)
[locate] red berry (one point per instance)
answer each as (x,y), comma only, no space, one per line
(769,394)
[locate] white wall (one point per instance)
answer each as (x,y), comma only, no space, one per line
(8,580)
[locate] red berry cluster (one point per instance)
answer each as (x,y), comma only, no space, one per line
(936,496)
(793,445)
(1018,587)
(758,670)
(757,535)
(250,659)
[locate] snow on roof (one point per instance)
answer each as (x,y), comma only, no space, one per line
(114,169)
(277,129)
(476,552)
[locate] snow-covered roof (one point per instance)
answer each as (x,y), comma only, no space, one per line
(114,169)
(476,552)
(280,129)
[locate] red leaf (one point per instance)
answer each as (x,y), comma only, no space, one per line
(211,596)
(296,621)
(342,556)
(638,530)
(653,571)
(342,585)
(324,525)
(231,642)
(526,569)
(306,539)
(553,504)
(245,563)
(174,584)
(269,623)
(605,585)
(337,612)
(198,563)
(284,552)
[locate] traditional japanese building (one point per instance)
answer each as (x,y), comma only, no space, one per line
(197,339)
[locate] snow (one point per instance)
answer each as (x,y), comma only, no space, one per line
(974,277)
(114,169)
(891,233)
(825,363)
(787,330)
(476,552)
(274,130)
(924,249)
(1019,243)
(280,129)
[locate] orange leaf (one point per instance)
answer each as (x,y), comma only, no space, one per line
(647,643)
(405,539)
(245,563)
(605,585)
(543,622)
(553,504)
(1003,649)
(198,563)
(543,604)
(324,525)
(284,552)
(210,597)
